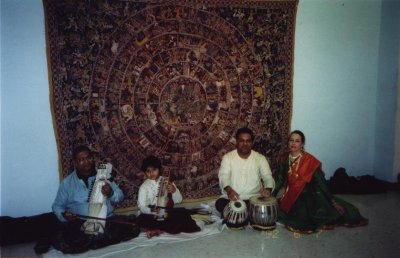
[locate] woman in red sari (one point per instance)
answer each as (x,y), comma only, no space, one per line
(305,202)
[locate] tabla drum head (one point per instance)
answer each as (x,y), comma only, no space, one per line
(263,200)
(235,214)
(238,206)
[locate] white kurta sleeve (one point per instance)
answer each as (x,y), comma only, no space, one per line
(142,200)
(224,174)
(177,196)
(266,174)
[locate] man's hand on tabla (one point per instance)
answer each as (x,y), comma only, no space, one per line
(265,192)
(232,195)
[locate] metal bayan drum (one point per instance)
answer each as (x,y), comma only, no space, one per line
(263,213)
(235,214)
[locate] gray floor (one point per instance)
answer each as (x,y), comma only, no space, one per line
(381,238)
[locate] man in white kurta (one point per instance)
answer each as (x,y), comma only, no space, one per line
(244,173)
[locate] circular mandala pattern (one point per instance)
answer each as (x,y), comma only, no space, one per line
(179,83)
(182,103)
(175,79)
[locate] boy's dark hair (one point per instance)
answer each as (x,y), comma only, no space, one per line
(151,161)
(244,130)
(80,149)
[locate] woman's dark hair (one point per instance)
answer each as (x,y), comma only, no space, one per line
(303,138)
(151,161)
(244,130)
(79,149)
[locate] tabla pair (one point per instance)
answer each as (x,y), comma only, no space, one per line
(262,214)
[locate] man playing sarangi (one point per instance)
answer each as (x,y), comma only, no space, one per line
(74,191)
(79,232)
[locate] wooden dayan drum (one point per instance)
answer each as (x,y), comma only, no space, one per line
(263,213)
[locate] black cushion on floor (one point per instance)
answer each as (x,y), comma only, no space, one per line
(27,229)
(341,182)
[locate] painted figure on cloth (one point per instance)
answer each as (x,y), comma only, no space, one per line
(305,203)
(156,198)
(243,173)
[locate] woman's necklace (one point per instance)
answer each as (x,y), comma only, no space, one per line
(295,157)
(294,161)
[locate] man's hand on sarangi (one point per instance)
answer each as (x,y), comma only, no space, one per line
(107,190)
(69,216)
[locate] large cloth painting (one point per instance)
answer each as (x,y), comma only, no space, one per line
(175,79)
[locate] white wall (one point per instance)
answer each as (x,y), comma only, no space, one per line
(335,86)
(396,163)
(29,154)
(335,76)
(0,109)
(389,48)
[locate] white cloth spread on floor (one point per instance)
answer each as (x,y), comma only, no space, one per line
(142,241)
